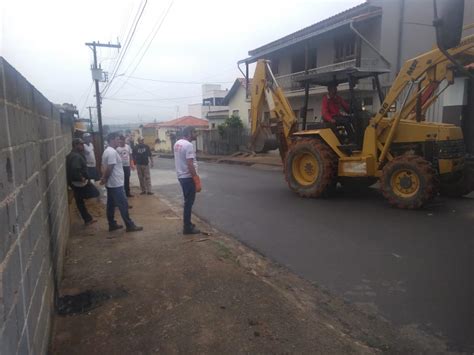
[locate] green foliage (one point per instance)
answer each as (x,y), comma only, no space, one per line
(234,121)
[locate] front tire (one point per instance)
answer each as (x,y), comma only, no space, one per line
(409,181)
(310,168)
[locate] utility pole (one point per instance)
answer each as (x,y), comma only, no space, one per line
(96,78)
(90,117)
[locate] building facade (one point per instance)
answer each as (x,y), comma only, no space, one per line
(235,103)
(376,35)
(212,100)
(167,133)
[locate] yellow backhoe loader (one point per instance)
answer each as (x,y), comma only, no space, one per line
(413,159)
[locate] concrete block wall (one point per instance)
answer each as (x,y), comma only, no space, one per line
(34,217)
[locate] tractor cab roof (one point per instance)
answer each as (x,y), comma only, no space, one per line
(325,78)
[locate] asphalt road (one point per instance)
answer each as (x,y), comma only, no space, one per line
(416,268)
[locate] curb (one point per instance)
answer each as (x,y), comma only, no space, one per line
(222,161)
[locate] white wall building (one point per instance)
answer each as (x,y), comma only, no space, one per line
(212,100)
(237,101)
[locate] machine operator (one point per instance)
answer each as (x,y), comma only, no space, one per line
(335,109)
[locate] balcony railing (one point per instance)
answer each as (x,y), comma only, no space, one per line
(289,82)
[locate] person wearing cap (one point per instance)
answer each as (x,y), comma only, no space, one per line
(78,179)
(334,110)
(186,170)
(113,179)
(90,156)
(142,156)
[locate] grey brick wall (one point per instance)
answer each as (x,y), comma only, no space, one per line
(34,217)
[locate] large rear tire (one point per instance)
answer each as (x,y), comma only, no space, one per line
(409,181)
(311,168)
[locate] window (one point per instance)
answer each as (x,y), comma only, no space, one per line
(219,101)
(312,58)
(368,101)
(213,101)
(297,61)
(274,64)
(345,49)
(213,125)
(235,112)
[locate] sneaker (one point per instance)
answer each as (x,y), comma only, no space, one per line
(134,229)
(143,193)
(130,195)
(115,227)
(192,230)
(130,206)
(150,193)
(92,221)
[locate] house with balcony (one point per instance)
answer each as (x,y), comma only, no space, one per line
(377,35)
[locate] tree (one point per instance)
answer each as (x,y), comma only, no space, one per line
(233,121)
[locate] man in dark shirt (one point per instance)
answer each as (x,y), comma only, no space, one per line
(78,180)
(142,155)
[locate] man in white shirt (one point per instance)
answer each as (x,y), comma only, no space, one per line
(125,153)
(186,170)
(113,178)
(90,157)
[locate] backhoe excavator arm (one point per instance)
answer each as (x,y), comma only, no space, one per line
(265,89)
(430,67)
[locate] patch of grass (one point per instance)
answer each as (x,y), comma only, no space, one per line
(223,250)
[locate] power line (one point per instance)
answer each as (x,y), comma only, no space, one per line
(227,70)
(144,90)
(86,98)
(149,44)
(143,105)
(162,99)
(147,39)
(124,25)
(127,45)
(180,82)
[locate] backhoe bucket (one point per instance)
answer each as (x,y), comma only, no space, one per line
(449,22)
(263,140)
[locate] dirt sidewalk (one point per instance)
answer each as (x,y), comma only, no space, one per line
(160,291)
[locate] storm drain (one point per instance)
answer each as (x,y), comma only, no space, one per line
(86,301)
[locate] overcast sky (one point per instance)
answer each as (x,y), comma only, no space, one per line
(198,41)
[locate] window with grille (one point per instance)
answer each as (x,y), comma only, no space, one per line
(344,49)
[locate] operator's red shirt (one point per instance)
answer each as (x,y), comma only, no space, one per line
(332,107)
